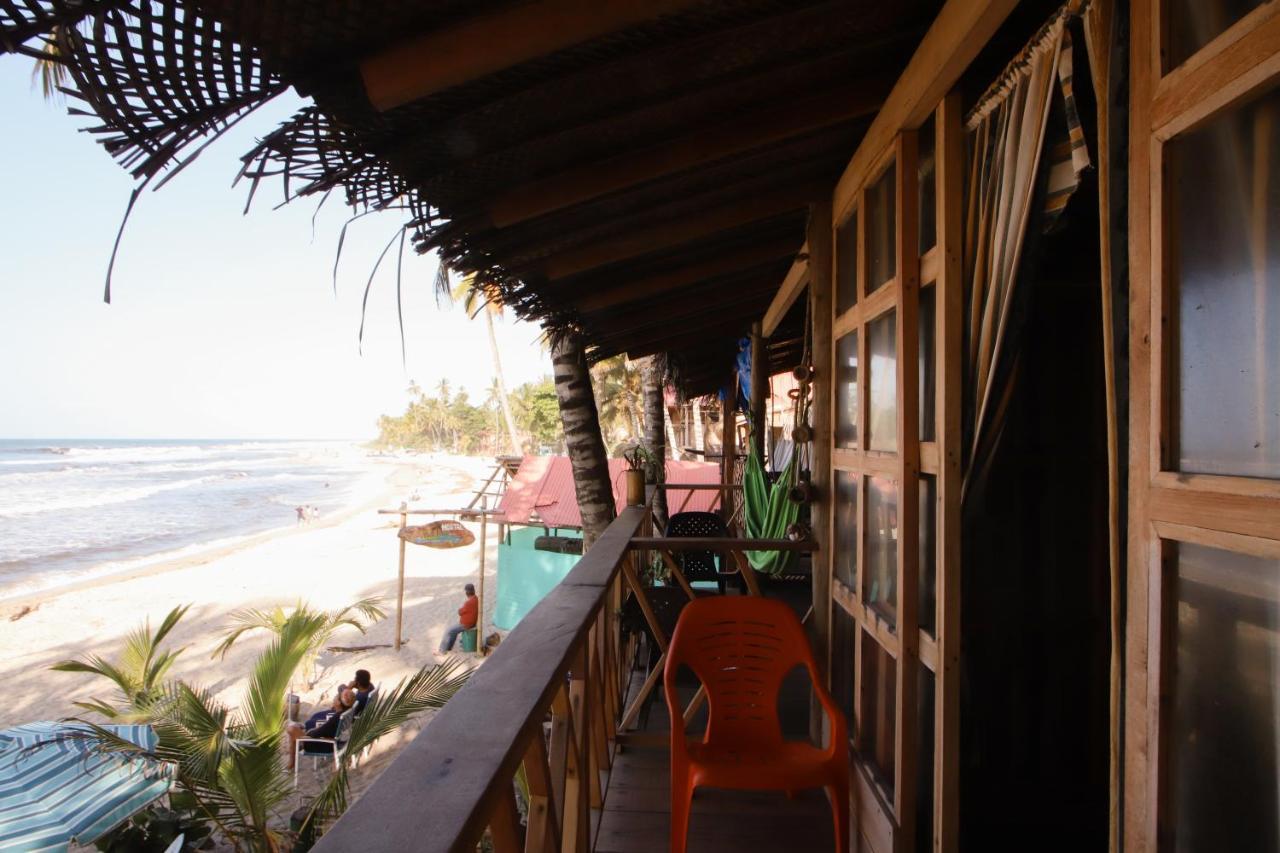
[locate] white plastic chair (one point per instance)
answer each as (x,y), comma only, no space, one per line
(337,745)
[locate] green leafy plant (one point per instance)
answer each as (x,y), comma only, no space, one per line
(360,615)
(639,457)
(138,673)
(232,775)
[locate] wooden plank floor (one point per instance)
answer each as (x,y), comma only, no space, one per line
(636,817)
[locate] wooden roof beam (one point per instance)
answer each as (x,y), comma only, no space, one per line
(482,45)
(735,260)
(738,135)
(792,285)
(675,232)
(717,303)
(689,338)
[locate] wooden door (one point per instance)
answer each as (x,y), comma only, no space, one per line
(894,558)
(1202,715)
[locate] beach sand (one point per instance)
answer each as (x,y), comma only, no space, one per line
(329,564)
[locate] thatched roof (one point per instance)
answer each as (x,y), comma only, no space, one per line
(645,183)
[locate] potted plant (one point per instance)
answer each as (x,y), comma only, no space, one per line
(640,463)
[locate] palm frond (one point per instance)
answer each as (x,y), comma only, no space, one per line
(429,687)
(249,619)
(265,697)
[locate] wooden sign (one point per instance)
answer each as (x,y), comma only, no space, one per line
(438,534)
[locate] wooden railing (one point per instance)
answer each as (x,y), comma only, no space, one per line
(560,667)
(543,714)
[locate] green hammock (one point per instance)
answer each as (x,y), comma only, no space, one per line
(768,511)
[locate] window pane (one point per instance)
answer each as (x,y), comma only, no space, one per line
(847,391)
(928,186)
(880,581)
(1195,23)
(882,343)
(927,604)
(882,256)
(846,539)
(847,265)
(1224,188)
(842,638)
(1226,715)
(928,364)
(924,765)
(877,723)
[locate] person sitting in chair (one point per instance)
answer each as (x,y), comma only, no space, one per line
(467,617)
(322,723)
(362,684)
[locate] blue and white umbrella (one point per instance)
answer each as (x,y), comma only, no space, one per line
(56,787)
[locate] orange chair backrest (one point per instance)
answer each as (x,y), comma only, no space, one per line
(740,648)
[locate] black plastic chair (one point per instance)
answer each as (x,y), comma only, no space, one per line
(698,565)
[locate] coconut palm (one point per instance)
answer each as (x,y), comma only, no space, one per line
(476,299)
(582,438)
(359,615)
(138,673)
(655,417)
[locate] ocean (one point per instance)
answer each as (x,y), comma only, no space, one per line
(76,509)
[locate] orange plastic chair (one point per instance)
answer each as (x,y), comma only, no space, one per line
(740,648)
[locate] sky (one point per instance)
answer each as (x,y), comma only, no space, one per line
(221,324)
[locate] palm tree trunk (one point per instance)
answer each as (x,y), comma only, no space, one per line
(505,401)
(697,425)
(672,441)
(655,417)
(582,438)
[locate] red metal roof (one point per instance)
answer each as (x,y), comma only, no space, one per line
(542,491)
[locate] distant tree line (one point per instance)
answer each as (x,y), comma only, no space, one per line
(449,421)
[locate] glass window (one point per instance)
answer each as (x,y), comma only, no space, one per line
(882,343)
(1226,716)
(1224,248)
(880,579)
(847,265)
(1195,23)
(846,533)
(927,603)
(882,255)
(924,760)
(847,391)
(877,724)
(927,192)
(843,632)
(928,364)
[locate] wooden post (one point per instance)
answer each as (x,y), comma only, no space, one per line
(759,389)
(821,476)
(484,526)
(404,522)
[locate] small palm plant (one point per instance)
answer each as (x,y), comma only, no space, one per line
(138,674)
(231,770)
(360,615)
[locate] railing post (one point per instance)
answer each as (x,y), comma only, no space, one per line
(542,831)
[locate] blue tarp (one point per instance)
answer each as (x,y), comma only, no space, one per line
(526,575)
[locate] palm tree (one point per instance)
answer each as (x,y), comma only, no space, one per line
(230,764)
(138,673)
(359,615)
(655,416)
(582,437)
(476,299)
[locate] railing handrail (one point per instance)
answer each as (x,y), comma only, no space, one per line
(435,797)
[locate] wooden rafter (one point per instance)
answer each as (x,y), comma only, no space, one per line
(737,297)
(675,232)
(792,285)
(740,134)
(475,47)
(734,260)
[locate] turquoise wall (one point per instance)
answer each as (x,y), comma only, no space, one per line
(526,575)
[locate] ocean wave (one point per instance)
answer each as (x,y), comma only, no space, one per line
(99,498)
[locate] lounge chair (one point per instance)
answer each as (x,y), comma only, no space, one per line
(316,747)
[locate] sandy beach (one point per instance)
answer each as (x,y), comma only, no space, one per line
(329,564)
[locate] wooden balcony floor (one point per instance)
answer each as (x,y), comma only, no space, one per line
(636,817)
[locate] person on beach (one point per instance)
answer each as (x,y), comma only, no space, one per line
(467,616)
(321,723)
(302,514)
(363,686)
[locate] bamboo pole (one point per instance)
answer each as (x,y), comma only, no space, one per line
(484,526)
(404,522)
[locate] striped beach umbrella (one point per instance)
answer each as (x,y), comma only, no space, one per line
(55,788)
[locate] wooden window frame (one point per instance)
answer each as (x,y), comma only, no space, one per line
(887,818)
(1167,506)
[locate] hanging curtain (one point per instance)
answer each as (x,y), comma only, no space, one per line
(1006,138)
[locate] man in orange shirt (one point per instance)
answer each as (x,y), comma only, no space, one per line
(467,616)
